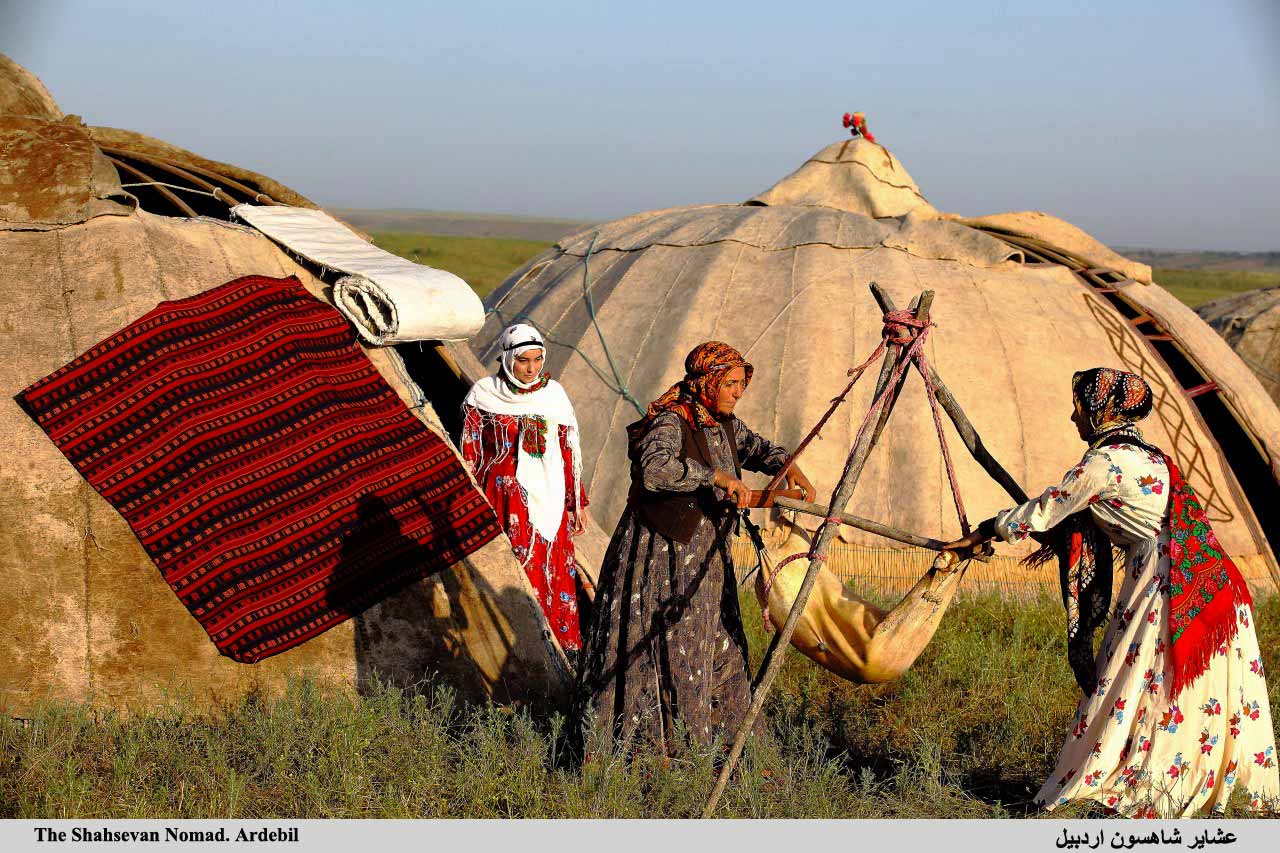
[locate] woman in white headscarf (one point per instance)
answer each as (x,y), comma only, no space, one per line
(520,437)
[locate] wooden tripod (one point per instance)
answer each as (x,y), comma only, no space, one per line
(774,657)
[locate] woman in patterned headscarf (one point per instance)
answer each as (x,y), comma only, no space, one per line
(666,641)
(1174,714)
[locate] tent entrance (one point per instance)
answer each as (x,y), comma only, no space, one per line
(442,380)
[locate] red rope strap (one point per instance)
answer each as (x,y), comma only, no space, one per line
(922,365)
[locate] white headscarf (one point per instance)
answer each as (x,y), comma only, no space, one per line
(541,478)
(515,340)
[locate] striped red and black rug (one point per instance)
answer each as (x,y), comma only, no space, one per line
(278,482)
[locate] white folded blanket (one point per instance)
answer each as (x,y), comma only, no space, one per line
(389,300)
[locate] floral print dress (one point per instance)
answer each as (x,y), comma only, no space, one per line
(666,645)
(489,444)
(1130,746)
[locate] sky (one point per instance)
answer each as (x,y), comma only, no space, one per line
(1148,124)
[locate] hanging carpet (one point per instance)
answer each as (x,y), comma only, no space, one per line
(278,482)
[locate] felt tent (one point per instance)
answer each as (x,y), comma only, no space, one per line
(1022,301)
(1250,324)
(84,614)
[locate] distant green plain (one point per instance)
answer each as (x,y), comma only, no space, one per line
(1196,287)
(485,261)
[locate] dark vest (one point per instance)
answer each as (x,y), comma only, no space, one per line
(675,515)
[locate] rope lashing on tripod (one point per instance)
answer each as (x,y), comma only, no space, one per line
(903,329)
(897,325)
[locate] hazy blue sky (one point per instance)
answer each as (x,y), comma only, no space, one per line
(1146,123)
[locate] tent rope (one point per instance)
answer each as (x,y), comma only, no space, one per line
(613,382)
(773,575)
(621,387)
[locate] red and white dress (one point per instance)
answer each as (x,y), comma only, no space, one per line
(522,445)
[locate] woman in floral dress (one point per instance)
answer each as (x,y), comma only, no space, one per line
(520,438)
(1174,714)
(666,646)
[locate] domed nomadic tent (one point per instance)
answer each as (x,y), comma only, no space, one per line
(84,614)
(1022,301)
(1250,323)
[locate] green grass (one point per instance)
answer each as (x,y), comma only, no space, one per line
(1196,287)
(970,731)
(482,261)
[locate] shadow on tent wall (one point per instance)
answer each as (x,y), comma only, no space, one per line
(451,628)
(412,631)
(412,635)
(420,636)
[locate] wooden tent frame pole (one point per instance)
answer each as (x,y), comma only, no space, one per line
(822,541)
(886,305)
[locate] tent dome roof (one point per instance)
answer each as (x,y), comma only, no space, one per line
(1250,324)
(22,93)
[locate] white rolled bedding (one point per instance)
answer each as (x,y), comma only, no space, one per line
(387,298)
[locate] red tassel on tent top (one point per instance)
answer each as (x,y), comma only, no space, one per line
(857,125)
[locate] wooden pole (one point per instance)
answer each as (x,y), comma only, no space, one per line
(982,553)
(973,441)
(821,542)
(163,190)
(886,530)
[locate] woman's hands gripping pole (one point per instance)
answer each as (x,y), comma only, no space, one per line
(740,496)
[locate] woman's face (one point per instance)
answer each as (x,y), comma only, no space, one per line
(730,392)
(527,366)
(1080,421)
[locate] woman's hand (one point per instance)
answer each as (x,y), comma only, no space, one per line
(797,480)
(739,494)
(966,543)
(577,527)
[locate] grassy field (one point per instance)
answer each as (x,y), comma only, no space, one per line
(485,261)
(959,736)
(1209,261)
(1196,287)
(453,224)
